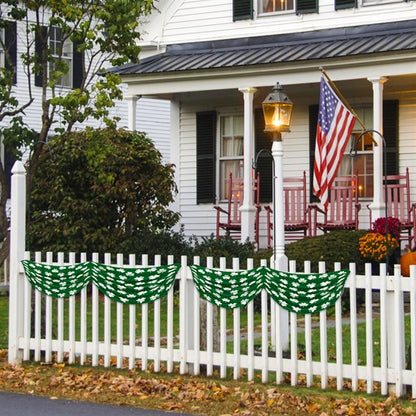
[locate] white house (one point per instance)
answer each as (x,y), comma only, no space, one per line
(216,61)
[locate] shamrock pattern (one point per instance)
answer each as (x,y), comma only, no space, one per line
(122,284)
(296,292)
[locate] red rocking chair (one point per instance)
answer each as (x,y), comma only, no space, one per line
(230,222)
(343,207)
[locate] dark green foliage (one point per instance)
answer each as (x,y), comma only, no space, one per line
(176,244)
(223,247)
(164,243)
(96,189)
(336,246)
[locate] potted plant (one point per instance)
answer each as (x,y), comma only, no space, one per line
(381,244)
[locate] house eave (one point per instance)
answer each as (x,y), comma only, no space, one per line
(288,73)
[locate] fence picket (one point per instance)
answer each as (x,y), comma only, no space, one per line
(338,337)
(48,319)
(383,329)
(209,323)
(399,330)
(60,304)
(38,314)
(145,324)
(107,322)
(264,338)
(323,339)
(95,319)
(132,324)
(353,329)
(223,333)
(120,262)
(182,317)
(293,338)
(236,330)
(250,332)
(197,327)
(71,320)
(369,328)
(169,323)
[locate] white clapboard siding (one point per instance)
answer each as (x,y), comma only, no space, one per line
(190,20)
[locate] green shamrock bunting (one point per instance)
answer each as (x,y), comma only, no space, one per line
(227,289)
(304,292)
(123,284)
(297,292)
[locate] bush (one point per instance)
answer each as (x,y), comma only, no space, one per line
(223,247)
(336,246)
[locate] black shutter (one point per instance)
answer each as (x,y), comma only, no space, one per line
(9,160)
(306,6)
(40,40)
(10,41)
(77,67)
(313,123)
(242,9)
(390,133)
(264,159)
(206,126)
(345,4)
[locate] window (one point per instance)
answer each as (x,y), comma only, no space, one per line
(229,130)
(62,53)
(67,51)
(362,161)
(230,150)
(345,4)
(270,6)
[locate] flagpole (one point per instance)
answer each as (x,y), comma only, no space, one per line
(342,98)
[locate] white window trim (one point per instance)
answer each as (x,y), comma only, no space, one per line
(69,59)
(2,53)
(218,151)
(275,13)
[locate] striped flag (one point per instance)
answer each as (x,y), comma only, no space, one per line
(335,124)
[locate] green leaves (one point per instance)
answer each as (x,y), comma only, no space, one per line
(97,189)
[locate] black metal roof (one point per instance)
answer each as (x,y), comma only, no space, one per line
(321,44)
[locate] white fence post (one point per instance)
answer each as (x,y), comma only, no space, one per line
(17,250)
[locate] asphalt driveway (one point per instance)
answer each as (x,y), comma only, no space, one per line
(15,404)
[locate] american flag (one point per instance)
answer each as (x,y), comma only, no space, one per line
(335,124)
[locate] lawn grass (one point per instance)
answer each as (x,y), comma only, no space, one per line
(331,340)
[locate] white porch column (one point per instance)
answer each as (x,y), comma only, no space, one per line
(132,111)
(377,206)
(248,209)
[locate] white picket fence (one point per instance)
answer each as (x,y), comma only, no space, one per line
(89,328)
